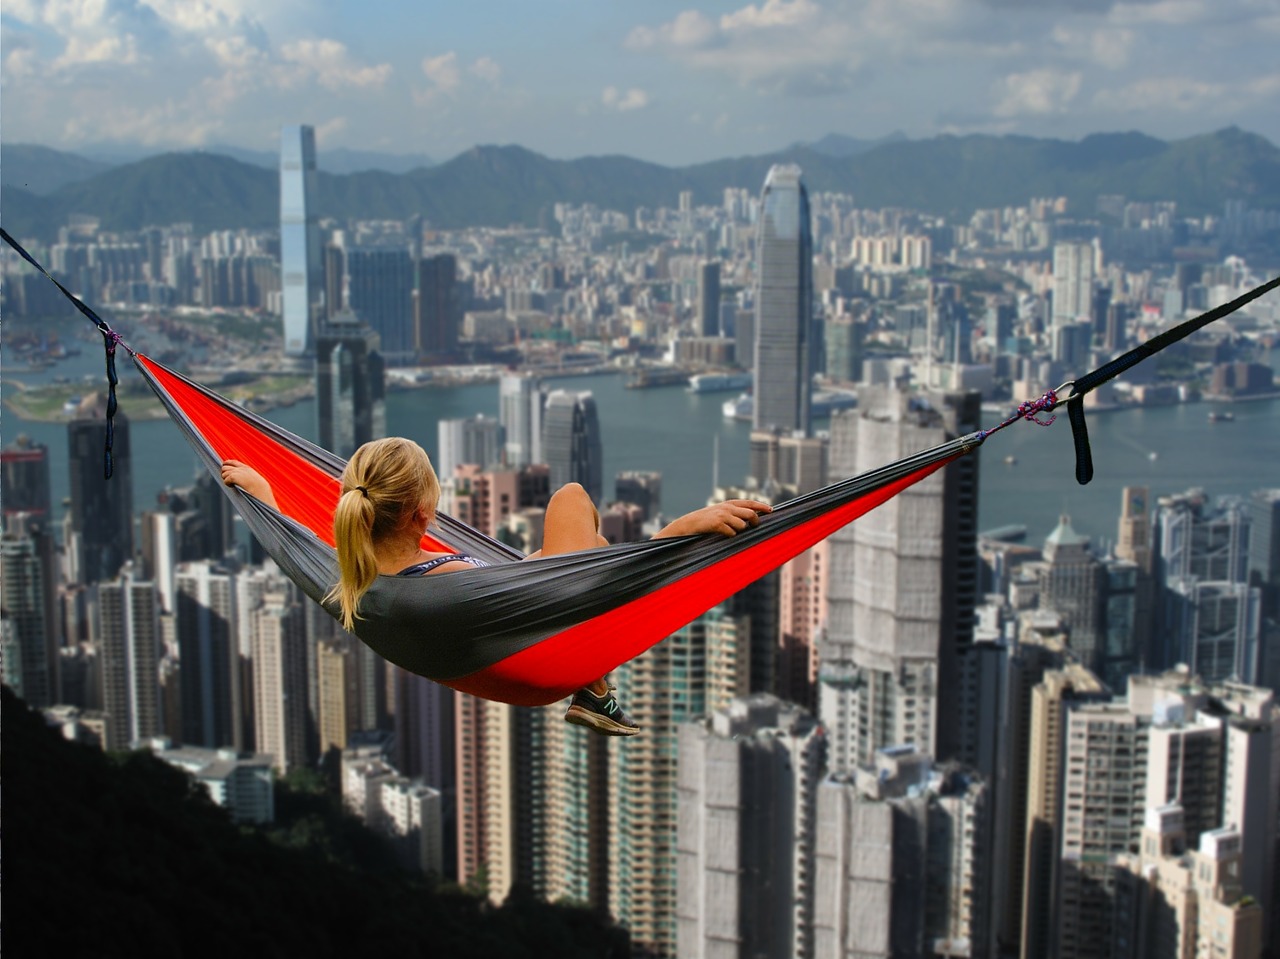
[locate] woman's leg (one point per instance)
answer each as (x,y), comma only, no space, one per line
(572,523)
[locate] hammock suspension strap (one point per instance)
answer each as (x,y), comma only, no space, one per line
(110,340)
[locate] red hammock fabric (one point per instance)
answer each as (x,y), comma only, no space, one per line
(523,633)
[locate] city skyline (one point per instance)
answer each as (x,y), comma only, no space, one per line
(674,84)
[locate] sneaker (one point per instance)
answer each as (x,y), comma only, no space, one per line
(601,714)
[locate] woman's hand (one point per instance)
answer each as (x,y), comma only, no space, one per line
(235,473)
(727,518)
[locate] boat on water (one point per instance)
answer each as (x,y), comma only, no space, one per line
(739,408)
(719,382)
(821,405)
(646,377)
(1221,416)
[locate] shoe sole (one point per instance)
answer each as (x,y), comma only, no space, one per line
(601,724)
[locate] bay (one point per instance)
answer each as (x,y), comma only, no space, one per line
(668,429)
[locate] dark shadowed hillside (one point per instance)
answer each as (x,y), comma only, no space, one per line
(122,855)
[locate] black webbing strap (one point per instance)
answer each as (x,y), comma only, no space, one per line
(110,339)
(1091,381)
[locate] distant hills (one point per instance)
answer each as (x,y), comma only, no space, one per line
(504,185)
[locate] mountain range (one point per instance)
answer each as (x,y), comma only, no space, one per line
(505,185)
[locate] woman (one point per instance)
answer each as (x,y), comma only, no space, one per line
(389,497)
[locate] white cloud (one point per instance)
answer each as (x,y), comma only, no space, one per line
(1164,94)
(331,66)
(486,68)
(443,71)
(772,13)
(632,99)
(799,47)
(689,29)
(1168,12)
(1036,93)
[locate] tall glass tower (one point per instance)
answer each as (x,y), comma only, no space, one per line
(571,441)
(301,270)
(784,304)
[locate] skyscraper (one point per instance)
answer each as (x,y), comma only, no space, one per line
(571,442)
(709,299)
(1073,585)
(129,642)
(902,861)
(208,655)
(784,304)
(24,478)
(666,686)
(902,586)
(1072,282)
(27,578)
(350,385)
(301,269)
(101,514)
(476,440)
(438,310)
(280,681)
(748,780)
(380,291)
(520,406)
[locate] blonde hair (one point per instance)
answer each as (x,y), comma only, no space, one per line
(384,482)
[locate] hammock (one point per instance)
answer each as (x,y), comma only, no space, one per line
(527,633)
(530,633)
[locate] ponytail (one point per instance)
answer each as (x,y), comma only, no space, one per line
(357,562)
(384,480)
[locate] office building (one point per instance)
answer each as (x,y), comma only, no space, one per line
(642,489)
(1175,899)
(903,585)
(787,465)
(475,441)
(746,838)
(784,305)
(1072,282)
(425,748)
(1072,584)
(571,442)
(205,621)
(903,860)
(708,318)
(300,259)
(844,339)
(280,681)
(1045,750)
(571,823)
(802,609)
(101,514)
(437,306)
(239,782)
(520,409)
(380,284)
(663,687)
(24,478)
(350,385)
(498,756)
(28,578)
(128,637)
(1210,618)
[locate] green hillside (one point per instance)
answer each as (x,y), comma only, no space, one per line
(504,185)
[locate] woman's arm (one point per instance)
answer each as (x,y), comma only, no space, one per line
(727,518)
(235,473)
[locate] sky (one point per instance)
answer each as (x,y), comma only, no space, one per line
(661,81)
